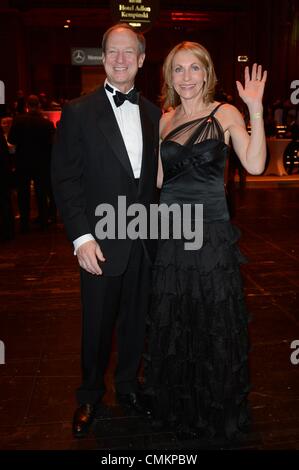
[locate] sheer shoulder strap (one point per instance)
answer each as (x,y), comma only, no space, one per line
(197,130)
(216,109)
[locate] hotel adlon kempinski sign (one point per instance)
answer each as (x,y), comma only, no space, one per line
(138,13)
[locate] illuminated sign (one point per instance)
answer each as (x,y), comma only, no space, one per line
(86,56)
(243,58)
(140,14)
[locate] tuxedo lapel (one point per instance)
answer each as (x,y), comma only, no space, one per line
(148,137)
(108,124)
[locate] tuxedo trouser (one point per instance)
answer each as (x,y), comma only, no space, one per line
(108,302)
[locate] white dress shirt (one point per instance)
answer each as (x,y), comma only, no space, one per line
(129,123)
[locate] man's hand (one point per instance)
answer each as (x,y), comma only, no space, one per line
(88,254)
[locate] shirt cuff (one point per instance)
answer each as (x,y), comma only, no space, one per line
(80,240)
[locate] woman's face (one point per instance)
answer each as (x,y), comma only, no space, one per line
(188,75)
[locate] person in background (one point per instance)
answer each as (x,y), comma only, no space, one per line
(32,136)
(7,225)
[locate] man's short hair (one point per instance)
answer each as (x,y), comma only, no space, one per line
(140,37)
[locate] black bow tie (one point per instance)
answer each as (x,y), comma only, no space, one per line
(120,98)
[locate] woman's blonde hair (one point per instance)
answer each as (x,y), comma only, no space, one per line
(170,98)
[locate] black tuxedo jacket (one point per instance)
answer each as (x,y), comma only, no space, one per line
(90,166)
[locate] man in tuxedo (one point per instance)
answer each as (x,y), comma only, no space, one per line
(107,146)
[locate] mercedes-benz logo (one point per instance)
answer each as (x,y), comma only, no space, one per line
(78,56)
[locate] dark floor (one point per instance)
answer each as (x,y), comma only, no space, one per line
(40,328)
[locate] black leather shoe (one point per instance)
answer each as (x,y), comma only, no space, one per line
(83,419)
(133,402)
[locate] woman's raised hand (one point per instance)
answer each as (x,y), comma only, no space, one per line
(253,90)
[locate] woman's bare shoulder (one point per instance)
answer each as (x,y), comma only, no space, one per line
(229,116)
(229,110)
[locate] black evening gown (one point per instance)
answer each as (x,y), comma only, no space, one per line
(196,366)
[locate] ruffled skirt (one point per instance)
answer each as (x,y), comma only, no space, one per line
(196,369)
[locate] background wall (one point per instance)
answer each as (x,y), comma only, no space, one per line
(35,48)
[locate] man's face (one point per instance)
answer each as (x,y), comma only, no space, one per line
(122,59)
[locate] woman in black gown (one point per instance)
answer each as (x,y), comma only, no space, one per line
(196,368)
